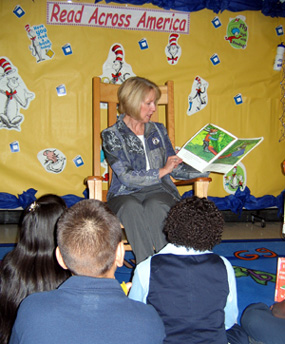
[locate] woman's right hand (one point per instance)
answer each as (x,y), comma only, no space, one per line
(171,163)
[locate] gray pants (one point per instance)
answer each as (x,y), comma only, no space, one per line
(142,214)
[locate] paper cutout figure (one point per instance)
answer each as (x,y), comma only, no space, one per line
(40,44)
(52,160)
(198,97)
(13,95)
(115,69)
(237,32)
(235,179)
(173,50)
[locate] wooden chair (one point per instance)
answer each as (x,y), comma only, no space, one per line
(107,94)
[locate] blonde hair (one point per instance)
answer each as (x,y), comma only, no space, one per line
(133,92)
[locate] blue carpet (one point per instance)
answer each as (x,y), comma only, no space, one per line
(254,261)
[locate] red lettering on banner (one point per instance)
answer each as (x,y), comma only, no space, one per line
(167,20)
(159,23)
(174,25)
(62,16)
(109,19)
(94,17)
(121,22)
(182,26)
(109,16)
(72,14)
(102,15)
(55,11)
(128,18)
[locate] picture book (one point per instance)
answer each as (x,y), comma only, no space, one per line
(280,280)
(214,149)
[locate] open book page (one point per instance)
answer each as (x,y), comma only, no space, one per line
(233,155)
(205,146)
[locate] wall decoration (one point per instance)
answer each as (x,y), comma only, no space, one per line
(78,161)
(237,32)
(238,99)
(61,90)
(216,22)
(173,50)
(18,11)
(143,44)
(115,69)
(15,147)
(40,44)
(235,179)
(13,96)
(279,30)
(198,97)
(67,49)
(215,59)
(115,17)
(52,160)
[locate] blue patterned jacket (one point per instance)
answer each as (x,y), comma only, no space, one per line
(126,156)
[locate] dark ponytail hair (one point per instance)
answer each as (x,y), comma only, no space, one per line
(31,267)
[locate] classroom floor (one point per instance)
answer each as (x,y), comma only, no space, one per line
(232,231)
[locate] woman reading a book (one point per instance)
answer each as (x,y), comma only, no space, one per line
(142,158)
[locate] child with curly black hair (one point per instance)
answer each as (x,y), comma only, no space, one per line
(193,289)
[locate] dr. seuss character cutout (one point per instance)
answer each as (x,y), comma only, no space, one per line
(52,160)
(40,44)
(115,69)
(235,179)
(237,32)
(198,97)
(173,50)
(13,95)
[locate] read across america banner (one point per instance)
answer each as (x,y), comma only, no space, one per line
(127,18)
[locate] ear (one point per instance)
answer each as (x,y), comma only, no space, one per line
(120,254)
(60,259)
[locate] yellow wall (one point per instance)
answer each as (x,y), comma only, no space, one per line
(65,122)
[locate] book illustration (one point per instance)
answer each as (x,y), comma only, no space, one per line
(216,150)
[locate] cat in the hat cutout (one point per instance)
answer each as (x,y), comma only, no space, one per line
(173,50)
(115,69)
(198,97)
(13,95)
(40,44)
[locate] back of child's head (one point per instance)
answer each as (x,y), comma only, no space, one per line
(31,267)
(88,235)
(38,223)
(194,223)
